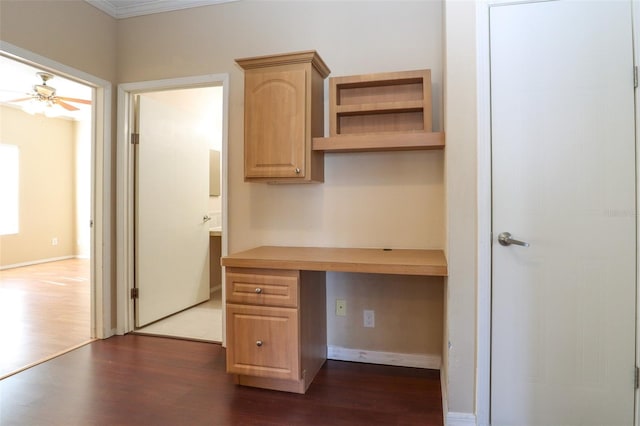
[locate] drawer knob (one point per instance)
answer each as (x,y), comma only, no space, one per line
(258,290)
(259,343)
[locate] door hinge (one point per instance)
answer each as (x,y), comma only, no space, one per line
(635,76)
(135,138)
(134,293)
(637,378)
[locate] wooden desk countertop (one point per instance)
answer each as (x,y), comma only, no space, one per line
(376,261)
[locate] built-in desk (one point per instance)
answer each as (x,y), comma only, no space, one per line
(375,261)
(276,306)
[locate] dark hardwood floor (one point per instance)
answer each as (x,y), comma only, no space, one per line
(141,380)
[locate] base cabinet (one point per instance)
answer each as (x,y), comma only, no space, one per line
(276,327)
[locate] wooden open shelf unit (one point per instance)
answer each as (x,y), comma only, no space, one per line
(380,112)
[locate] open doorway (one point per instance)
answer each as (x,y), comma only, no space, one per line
(178,206)
(184,299)
(46,217)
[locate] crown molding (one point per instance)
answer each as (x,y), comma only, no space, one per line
(128,9)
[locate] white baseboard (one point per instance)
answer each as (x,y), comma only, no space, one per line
(36,262)
(387,358)
(460,419)
(214,289)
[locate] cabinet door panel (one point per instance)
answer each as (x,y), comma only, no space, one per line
(263,342)
(275,116)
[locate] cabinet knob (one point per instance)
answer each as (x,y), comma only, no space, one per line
(259,343)
(298,171)
(258,290)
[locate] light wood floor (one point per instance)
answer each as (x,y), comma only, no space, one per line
(45,309)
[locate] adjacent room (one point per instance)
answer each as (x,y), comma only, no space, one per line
(45,220)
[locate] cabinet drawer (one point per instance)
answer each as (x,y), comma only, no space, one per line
(263,341)
(265,287)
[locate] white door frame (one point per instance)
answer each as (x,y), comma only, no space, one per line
(101,182)
(125,181)
(484,239)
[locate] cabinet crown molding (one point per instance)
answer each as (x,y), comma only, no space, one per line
(307,56)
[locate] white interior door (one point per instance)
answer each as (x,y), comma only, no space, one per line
(172,196)
(563,176)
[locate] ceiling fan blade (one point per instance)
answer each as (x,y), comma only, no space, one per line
(19,99)
(66,105)
(80,101)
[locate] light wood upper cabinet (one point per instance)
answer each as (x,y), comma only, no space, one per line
(284,110)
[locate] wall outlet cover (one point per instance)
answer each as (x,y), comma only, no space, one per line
(369,318)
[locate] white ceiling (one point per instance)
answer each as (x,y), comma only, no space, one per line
(128,8)
(17,80)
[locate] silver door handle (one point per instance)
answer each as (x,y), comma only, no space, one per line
(505,240)
(206,218)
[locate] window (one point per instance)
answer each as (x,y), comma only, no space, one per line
(9,181)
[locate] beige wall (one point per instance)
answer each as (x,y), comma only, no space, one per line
(47,187)
(408,319)
(82,164)
(73,33)
(368,199)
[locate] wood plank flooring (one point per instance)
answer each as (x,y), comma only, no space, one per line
(142,380)
(44,309)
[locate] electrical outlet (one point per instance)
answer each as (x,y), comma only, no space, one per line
(369,318)
(341,307)
(54,241)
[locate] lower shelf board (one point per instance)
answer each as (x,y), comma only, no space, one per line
(400,141)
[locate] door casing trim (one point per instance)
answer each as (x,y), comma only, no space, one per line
(125,182)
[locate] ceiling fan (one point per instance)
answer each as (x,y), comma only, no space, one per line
(47,94)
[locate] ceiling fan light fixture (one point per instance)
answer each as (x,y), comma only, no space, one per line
(44,90)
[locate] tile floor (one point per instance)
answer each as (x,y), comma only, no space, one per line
(201,322)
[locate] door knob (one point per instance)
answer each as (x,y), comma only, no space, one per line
(206,218)
(505,240)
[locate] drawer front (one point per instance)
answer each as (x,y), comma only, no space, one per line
(266,287)
(263,341)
